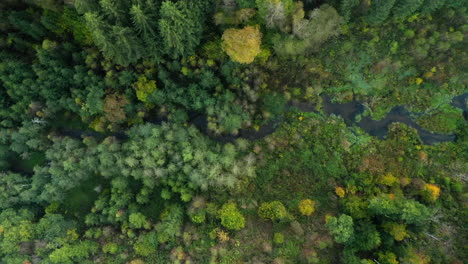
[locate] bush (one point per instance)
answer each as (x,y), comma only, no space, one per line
(274,103)
(341,228)
(144,87)
(146,244)
(275,12)
(387,258)
(138,220)
(306,207)
(323,24)
(274,211)
(198,217)
(398,231)
(110,248)
(431,192)
(231,217)
(278,238)
(340,191)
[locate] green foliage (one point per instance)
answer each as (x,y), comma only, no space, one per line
(290,249)
(356,207)
(170,225)
(398,231)
(59,85)
(346,8)
(179,119)
(405,8)
(274,211)
(180,27)
(379,11)
(388,258)
(430,6)
(456,4)
(57,237)
(198,218)
(110,248)
(144,87)
(122,39)
(15,227)
(275,13)
(410,211)
(341,228)
(278,238)
(309,34)
(443,120)
(190,162)
(414,212)
(55,229)
(66,22)
(63,155)
(366,237)
(231,217)
(245,3)
(74,253)
(143,21)
(275,103)
(146,244)
(324,23)
(48,4)
(83,6)
(316,153)
(26,24)
(138,220)
(166,194)
(16,77)
(204,94)
(13,189)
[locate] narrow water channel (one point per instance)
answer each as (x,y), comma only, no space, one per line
(348,111)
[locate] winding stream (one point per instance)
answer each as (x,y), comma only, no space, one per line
(348,111)
(379,128)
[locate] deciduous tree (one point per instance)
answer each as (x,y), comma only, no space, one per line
(275,13)
(274,211)
(306,207)
(341,228)
(242,45)
(231,217)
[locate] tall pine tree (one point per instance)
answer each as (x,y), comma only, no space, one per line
(180,28)
(405,8)
(346,8)
(379,11)
(430,6)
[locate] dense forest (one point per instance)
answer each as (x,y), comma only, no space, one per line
(233,131)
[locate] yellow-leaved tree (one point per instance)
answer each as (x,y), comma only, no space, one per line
(144,87)
(340,191)
(431,192)
(398,231)
(306,207)
(242,45)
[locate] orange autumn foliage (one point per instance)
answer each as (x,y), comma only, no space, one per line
(432,192)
